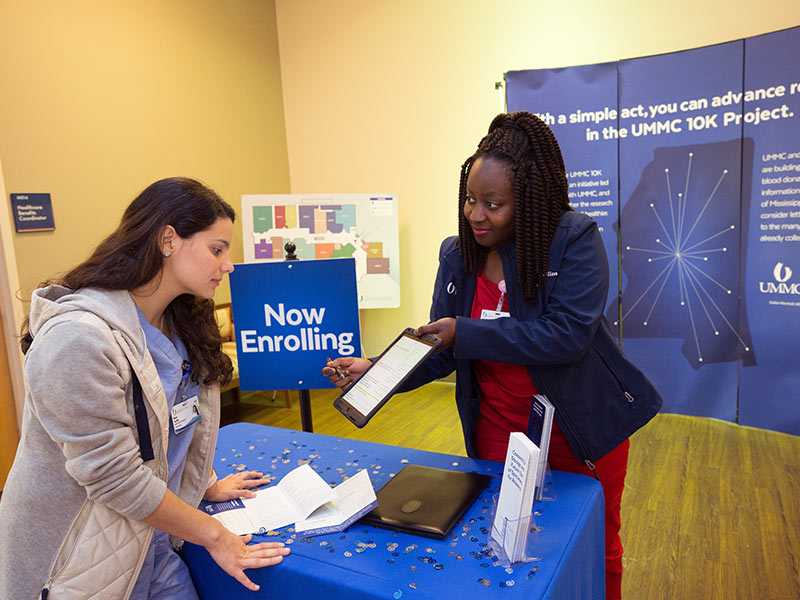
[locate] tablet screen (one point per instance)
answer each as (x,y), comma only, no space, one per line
(377,383)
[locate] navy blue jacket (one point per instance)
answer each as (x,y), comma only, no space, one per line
(563,339)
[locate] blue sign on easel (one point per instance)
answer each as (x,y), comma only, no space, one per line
(289,317)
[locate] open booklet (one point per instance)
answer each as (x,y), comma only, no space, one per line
(301,497)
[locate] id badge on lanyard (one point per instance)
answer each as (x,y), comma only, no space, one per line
(186,411)
(498,313)
(185,414)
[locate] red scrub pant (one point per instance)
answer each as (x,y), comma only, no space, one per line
(611,470)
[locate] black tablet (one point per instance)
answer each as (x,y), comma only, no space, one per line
(382,379)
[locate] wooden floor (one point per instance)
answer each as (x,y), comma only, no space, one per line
(425,419)
(711,510)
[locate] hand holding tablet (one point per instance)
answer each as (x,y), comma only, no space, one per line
(378,381)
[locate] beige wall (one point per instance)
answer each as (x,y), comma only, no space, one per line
(101,98)
(392,96)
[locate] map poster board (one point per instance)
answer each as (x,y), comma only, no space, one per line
(324,226)
(709,217)
(289,318)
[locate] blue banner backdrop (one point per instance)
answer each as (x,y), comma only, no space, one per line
(769,393)
(575,102)
(706,144)
(679,180)
(289,317)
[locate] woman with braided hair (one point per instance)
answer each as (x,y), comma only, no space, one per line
(518,304)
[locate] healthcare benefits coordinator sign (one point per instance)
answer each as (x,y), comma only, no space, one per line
(289,317)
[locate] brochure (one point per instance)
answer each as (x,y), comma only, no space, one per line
(510,527)
(354,498)
(301,492)
(540,425)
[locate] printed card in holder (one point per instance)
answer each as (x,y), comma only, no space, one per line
(382,379)
(511,519)
(540,425)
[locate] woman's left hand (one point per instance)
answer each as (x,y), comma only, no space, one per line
(235,485)
(444,329)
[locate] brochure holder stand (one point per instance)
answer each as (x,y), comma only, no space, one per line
(547,493)
(530,536)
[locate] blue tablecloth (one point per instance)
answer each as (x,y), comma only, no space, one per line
(367,562)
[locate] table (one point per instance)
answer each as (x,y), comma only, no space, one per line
(367,562)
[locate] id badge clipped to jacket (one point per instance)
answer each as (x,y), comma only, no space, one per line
(497,313)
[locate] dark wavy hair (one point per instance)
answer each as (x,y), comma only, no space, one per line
(131,257)
(525,144)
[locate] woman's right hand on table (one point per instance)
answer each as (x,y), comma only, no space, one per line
(234,554)
(230,551)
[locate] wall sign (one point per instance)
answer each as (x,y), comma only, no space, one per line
(32,212)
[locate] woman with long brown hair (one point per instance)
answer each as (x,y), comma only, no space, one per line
(122,370)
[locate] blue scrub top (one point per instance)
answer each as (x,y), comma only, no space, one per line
(164,575)
(169,356)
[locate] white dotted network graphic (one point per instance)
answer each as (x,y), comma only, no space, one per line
(681,254)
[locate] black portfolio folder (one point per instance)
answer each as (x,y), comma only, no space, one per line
(425,501)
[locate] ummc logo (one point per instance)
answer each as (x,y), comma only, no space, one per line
(776,273)
(782,274)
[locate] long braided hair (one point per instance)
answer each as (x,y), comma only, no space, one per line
(525,144)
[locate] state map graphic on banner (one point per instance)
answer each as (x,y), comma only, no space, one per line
(681,260)
(700,149)
(677,151)
(322,226)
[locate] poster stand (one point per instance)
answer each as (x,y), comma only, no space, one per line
(305,395)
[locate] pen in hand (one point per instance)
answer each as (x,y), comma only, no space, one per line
(339,372)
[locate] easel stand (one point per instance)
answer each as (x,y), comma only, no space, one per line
(305,395)
(305,410)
